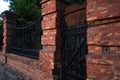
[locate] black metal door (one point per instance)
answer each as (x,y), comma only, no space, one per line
(74,49)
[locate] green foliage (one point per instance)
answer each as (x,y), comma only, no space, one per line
(28,10)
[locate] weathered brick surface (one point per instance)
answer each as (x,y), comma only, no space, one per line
(103,18)
(104,34)
(100,67)
(30,69)
(49,32)
(48,39)
(49,21)
(47,59)
(49,7)
(99,9)
(94,49)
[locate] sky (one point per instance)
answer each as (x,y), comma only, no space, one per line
(3,6)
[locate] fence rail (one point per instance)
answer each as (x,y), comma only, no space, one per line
(26,52)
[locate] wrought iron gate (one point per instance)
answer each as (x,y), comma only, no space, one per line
(74,49)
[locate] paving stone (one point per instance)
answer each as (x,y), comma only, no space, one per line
(6,74)
(2,77)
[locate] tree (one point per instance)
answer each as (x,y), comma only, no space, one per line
(27,10)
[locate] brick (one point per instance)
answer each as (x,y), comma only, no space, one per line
(50,32)
(113,49)
(99,71)
(48,40)
(92,18)
(94,49)
(97,56)
(49,48)
(47,60)
(104,12)
(49,21)
(49,7)
(109,57)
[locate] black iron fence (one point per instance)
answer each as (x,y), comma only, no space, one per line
(26,40)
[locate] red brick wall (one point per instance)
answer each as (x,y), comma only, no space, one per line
(26,68)
(103,18)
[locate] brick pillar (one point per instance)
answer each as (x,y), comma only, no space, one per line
(50,54)
(9,18)
(103,60)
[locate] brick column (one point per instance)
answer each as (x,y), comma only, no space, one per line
(103,62)
(9,18)
(50,54)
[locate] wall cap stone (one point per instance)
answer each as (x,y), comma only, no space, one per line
(8,14)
